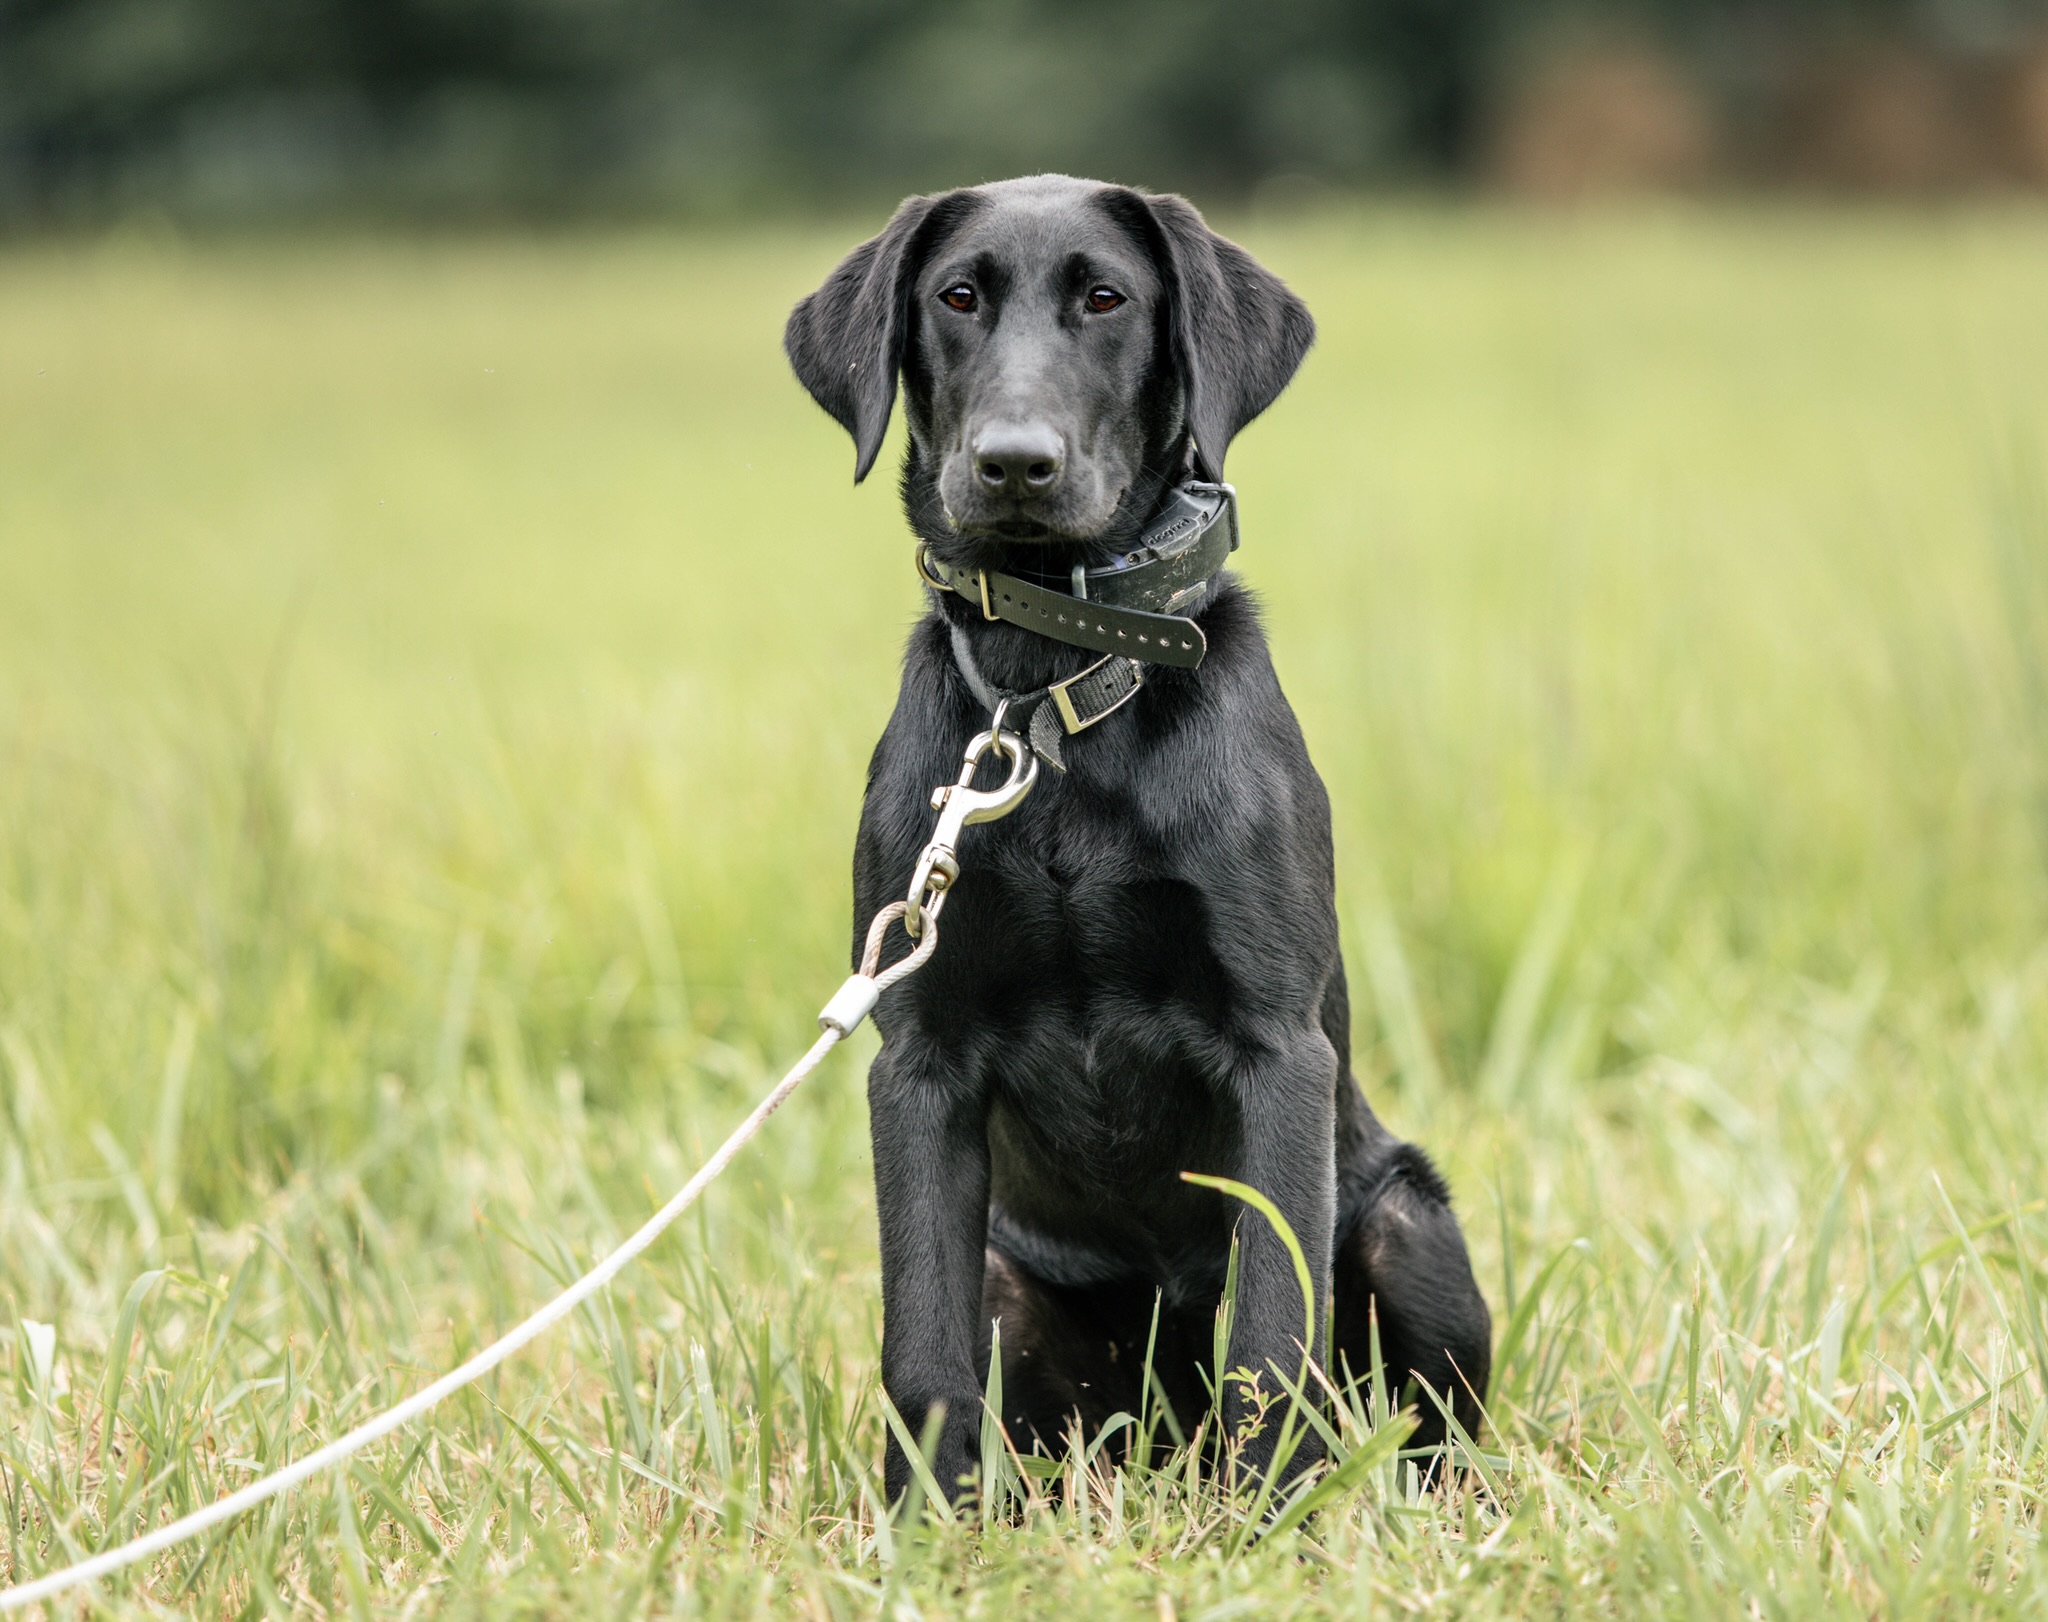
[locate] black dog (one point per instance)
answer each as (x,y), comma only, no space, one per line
(1139,973)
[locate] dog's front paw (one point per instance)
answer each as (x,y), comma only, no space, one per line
(955,1458)
(1268,1437)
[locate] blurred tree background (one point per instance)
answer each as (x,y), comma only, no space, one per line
(232,109)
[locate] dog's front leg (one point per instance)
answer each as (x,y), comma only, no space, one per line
(930,1133)
(1288,1104)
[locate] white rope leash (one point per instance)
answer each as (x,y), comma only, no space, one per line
(848,1007)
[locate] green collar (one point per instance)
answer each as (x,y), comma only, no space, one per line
(1138,606)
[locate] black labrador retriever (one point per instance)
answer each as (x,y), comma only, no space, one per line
(1139,973)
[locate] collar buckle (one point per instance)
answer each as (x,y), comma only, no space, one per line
(1097,692)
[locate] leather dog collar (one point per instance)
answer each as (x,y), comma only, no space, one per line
(1136,606)
(1131,611)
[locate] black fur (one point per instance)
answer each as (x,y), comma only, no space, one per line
(1139,971)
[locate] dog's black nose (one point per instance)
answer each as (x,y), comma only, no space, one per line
(1018,459)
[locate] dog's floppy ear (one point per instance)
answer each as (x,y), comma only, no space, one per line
(845,342)
(1238,334)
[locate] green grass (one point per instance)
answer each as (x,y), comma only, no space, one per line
(435,682)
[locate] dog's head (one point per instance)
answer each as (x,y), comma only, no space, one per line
(1064,345)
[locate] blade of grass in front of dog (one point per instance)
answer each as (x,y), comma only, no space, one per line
(1285,1446)
(1148,1414)
(1162,1409)
(1219,1337)
(1311,1409)
(1281,1227)
(995,1452)
(1290,1437)
(1457,1440)
(1344,1477)
(1118,1421)
(919,1452)
(1382,1406)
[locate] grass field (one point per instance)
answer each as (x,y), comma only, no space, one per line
(421,835)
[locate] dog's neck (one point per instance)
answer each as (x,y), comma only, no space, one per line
(1007,656)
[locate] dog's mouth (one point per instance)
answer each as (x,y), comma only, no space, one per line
(1039,544)
(978,525)
(1005,529)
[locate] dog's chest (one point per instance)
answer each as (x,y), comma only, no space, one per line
(1098,968)
(1093,944)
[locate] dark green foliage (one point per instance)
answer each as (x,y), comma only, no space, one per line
(234,108)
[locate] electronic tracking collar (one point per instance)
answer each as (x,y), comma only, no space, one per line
(1133,611)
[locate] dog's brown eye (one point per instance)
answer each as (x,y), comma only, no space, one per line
(1103,299)
(958,297)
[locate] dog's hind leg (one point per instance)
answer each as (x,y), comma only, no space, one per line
(1078,1354)
(1403,1260)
